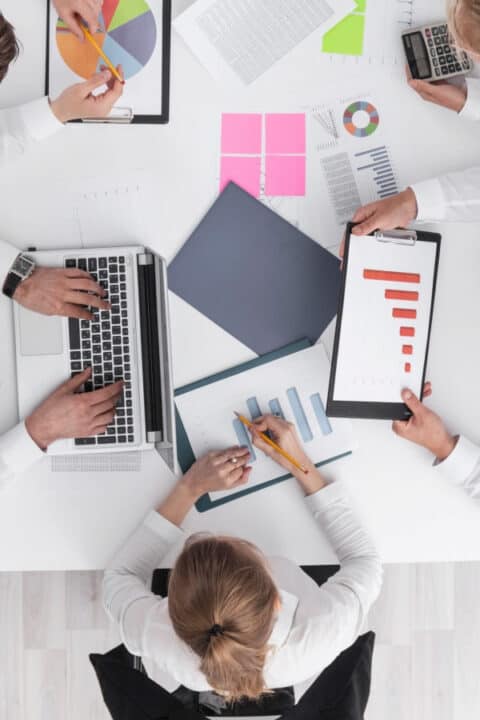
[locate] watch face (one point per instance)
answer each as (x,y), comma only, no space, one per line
(23,265)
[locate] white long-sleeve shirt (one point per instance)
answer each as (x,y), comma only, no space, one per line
(454,197)
(462,467)
(20,127)
(313,626)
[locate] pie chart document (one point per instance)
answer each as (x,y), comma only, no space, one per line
(131,35)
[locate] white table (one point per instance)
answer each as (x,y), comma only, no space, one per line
(76,520)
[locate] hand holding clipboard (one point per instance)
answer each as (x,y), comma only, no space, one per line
(384,321)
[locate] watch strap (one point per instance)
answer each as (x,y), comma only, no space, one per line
(12,281)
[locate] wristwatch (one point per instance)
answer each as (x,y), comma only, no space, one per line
(23,266)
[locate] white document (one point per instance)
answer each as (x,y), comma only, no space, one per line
(239,40)
(131,36)
(208,412)
(375,361)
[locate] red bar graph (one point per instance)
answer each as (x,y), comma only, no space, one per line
(401,295)
(390,276)
(404,313)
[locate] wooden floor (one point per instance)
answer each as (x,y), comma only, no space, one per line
(426,663)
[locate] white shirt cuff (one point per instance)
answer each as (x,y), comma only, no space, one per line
(325,496)
(39,120)
(164,528)
(8,253)
(471,109)
(430,200)
(461,462)
(17,449)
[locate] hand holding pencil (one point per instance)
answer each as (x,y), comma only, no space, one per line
(283,445)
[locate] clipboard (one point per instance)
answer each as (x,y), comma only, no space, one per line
(125,113)
(185,453)
(384,323)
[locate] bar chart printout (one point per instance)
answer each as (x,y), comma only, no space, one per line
(385,320)
(293,387)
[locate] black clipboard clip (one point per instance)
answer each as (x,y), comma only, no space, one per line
(118,116)
(397,237)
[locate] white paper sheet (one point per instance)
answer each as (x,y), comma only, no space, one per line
(208,412)
(370,360)
(239,40)
(143,91)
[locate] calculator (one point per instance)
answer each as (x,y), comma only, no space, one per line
(431,56)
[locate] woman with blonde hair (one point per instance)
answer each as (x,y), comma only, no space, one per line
(450,198)
(234,621)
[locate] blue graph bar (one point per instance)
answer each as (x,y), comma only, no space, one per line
(253,408)
(244,438)
(276,408)
(300,417)
(320,413)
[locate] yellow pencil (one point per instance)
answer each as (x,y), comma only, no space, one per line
(109,64)
(273,444)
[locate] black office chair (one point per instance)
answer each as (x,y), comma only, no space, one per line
(340,693)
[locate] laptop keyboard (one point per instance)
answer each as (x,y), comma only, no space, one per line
(104,345)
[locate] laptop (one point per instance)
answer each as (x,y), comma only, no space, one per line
(130,342)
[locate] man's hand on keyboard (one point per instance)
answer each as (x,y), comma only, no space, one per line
(61,291)
(66,413)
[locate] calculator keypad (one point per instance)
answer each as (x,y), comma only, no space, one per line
(444,57)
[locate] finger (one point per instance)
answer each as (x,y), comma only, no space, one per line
(245,477)
(407,72)
(75,383)
(80,298)
(427,389)
(412,402)
(113,79)
(90,14)
(105,407)
(227,455)
(76,311)
(400,428)
(273,424)
(71,20)
(110,391)
(96,81)
(103,420)
(76,273)
(236,476)
(86,286)
(104,103)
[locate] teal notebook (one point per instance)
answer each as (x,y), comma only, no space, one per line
(186,457)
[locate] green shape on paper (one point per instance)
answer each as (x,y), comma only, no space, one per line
(361,6)
(128,10)
(346,38)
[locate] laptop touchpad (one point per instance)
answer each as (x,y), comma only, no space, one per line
(39,334)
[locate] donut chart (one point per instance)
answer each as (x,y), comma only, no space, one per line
(359,130)
(127,35)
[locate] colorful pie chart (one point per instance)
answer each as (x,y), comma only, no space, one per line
(361,119)
(127,36)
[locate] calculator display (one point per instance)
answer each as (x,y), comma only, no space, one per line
(421,56)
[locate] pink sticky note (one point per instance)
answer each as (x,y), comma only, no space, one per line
(242,171)
(285,175)
(285,133)
(241,133)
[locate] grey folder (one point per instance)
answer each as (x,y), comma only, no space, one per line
(256,275)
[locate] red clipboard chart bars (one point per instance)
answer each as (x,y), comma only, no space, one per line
(401,313)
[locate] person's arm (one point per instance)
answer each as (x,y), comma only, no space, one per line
(126,585)
(18,452)
(64,414)
(344,601)
(455,457)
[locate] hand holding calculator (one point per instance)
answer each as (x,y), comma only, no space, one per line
(431,56)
